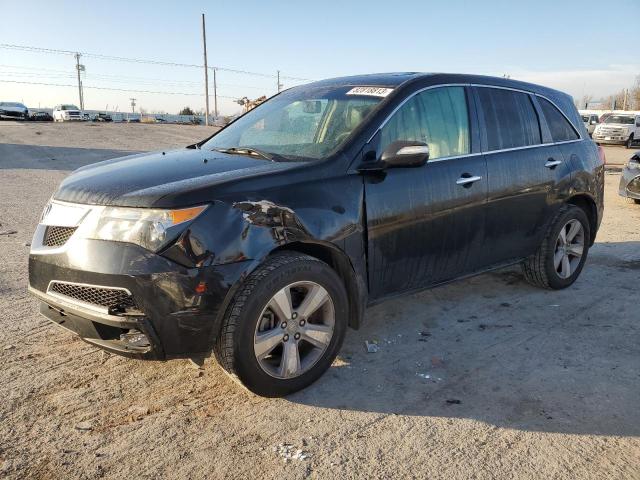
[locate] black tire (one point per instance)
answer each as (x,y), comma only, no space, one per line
(539,269)
(629,143)
(234,348)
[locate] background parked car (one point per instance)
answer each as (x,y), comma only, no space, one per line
(590,121)
(14,110)
(41,117)
(630,179)
(102,117)
(66,113)
(619,128)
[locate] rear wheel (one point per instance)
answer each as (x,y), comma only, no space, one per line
(285,325)
(561,256)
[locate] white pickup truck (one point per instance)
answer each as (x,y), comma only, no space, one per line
(619,128)
(66,113)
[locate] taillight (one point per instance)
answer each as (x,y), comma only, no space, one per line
(601,154)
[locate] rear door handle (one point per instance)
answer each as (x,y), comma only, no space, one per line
(551,163)
(467,180)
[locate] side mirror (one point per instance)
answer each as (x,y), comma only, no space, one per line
(405,154)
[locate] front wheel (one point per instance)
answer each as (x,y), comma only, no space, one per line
(285,325)
(563,252)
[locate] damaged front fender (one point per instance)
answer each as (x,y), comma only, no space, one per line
(319,221)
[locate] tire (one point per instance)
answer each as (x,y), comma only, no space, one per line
(632,200)
(629,143)
(236,348)
(540,269)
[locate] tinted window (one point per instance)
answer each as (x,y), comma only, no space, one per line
(561,129)
(437,117)
(510,119)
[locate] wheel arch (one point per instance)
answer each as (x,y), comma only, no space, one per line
(588,206)
(340,263)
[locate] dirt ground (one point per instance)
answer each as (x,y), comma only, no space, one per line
(484,378)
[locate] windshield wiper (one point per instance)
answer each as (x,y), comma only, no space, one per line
(247,151)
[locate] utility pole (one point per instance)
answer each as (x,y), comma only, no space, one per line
(624,102)
(133,105)
(206,74)
(215,93)
(279,84)
(79,68)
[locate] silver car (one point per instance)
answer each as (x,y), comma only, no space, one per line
(14,110)
(630,179)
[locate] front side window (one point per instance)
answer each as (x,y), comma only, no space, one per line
(299,124)
(510,118)
(437,117)
(561,129)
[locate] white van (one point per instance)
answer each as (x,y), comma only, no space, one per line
(590,120)
(621,128)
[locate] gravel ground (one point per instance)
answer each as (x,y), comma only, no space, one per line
(483,378)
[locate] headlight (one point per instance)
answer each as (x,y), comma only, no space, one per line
(150,228)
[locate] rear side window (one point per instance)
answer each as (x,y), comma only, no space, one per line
(510,119)
(437,117)
(561,129)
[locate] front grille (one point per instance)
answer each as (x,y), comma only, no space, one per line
(110,298)
(610,131)
(57,236)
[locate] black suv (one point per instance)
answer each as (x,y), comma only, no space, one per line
(265,241)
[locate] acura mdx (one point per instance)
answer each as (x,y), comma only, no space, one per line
(264,242)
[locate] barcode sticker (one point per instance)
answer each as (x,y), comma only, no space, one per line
(370,91)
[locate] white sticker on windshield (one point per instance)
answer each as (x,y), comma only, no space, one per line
(370,91)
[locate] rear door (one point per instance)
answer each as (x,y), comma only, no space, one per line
(525,173)
(426,224)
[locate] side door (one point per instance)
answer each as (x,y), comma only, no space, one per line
(425,224)
(525,171)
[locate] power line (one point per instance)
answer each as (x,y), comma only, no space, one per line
(113,89)
(114,78)
(141,60)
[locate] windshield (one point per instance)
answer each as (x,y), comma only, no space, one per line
(69,107)
(620,119)
(12,104)
(299,124)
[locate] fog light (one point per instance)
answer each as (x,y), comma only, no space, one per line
(135,338)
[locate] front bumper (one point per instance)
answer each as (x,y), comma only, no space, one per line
(176,321)
(630,183)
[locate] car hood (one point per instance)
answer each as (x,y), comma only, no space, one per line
(161,178)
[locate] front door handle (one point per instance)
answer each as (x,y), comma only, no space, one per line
(551,163)
(466,181)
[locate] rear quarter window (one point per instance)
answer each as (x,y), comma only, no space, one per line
(560,128)
(510,118)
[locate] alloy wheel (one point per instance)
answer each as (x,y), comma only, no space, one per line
(569,248)
(294,330)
